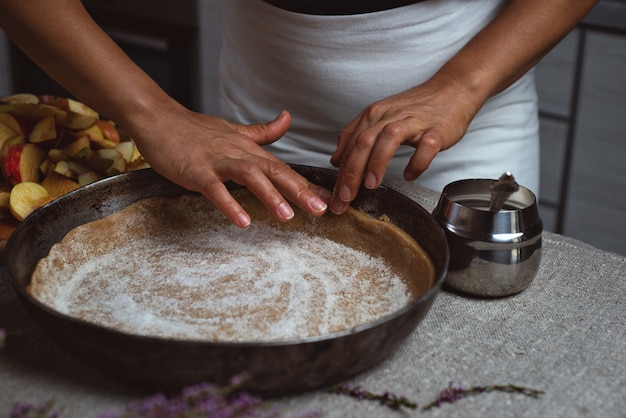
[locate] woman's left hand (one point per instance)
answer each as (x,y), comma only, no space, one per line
(430,118)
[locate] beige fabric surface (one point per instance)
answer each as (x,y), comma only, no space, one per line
(564,335)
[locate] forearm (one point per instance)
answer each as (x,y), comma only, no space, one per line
(62,39)
(522,33)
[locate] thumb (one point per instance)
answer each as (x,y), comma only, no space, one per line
(266,133)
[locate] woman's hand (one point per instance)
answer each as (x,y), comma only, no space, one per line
(200,153)
(434,116)
(430,118)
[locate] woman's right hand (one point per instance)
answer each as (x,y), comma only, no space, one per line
(201,152)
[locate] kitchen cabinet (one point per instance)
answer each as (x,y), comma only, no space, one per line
(582,91)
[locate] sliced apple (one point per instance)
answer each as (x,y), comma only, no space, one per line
(94,133)
(6,133)
(56,155)
(15,122)
(33,112)
(58,185)
(79,149)
(44,133)
(52,100)
(88,178)
(20,98)
(120,165)
(127,150)
(21,163)
(106,160)
(138,164)
(110,153)
(80,116)
(6,145)
(96,136)
(9,121)
(27,197)
(46,166)
(109,130)
(62,168)
(77,168)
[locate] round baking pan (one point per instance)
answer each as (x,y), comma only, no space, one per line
(272,368)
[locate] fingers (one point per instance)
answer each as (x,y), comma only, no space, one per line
(266,133)
(204,152)
(425,152)
(219,195)
(365,157)
(274,183)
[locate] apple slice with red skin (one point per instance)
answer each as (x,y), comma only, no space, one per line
(109,130)
(52,100)
(6,145)
(27,197)
(21,163)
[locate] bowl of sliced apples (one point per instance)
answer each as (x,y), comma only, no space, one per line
(51,145)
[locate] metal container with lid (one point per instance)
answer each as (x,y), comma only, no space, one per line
(493,253)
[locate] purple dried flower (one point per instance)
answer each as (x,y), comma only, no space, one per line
(387,398)
(453,393)
(44,410)
(203,400)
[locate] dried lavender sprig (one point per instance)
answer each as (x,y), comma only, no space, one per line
(46,409)
(453,393)
(3,335)
(386,398)
(204,400)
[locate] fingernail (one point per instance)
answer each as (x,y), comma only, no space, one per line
(318,204)
(324,194)
(285,211)
(243,220)
(345,194)
(370,181)
(337,206)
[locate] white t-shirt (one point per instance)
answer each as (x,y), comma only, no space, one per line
(326,69)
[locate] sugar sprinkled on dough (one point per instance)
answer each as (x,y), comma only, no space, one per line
(215,282)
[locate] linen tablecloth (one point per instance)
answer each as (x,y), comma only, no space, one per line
(564,335)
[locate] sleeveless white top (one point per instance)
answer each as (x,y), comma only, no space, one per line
(326,69)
